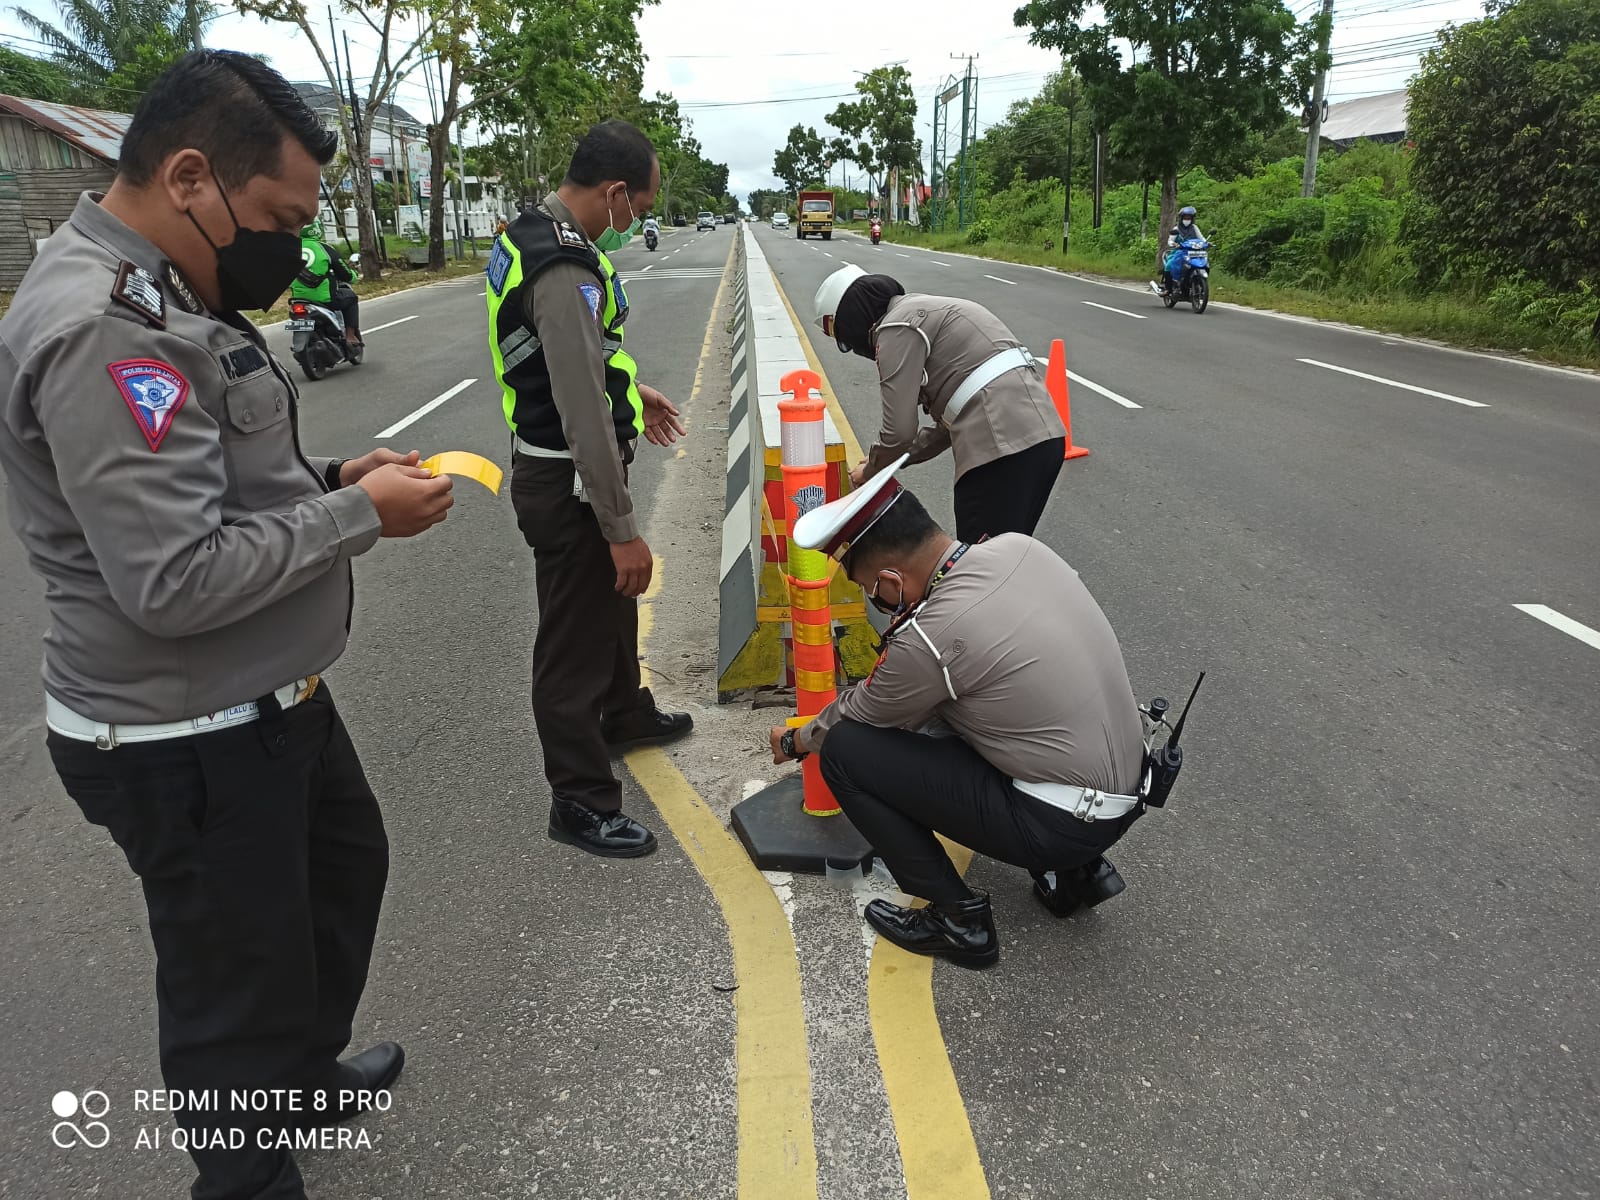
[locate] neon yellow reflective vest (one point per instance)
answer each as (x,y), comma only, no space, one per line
(527,247)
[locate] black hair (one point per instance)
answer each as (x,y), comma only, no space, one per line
(613,150)
(231,107)
(903,529)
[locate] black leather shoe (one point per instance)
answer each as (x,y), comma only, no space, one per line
(610,835)
(645,725)
(963,932)
(373,1070)
(1093,883)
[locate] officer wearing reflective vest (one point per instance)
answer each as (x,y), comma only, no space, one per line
(955,361)
(575,407)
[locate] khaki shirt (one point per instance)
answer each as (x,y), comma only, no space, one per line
(573,351)
(1040,689)
(193,557)
(927,345)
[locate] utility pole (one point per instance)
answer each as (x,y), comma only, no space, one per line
(1099,179)
(1308,181)
(191,13)
(1066,213)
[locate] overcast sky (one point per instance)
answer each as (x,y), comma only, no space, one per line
(746,75)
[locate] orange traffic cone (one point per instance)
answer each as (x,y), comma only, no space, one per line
(1055,381)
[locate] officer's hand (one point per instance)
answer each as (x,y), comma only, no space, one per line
(356,469)
(409,499)
(634,566)
(858,473)
(661,424)
(775,734)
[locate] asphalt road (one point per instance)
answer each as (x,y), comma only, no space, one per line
(1356,956)
(1354,959)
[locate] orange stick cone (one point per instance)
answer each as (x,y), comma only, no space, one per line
(1055,382)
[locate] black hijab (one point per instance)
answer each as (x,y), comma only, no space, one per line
(860,308)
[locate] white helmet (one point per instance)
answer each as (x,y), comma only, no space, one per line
(833,288)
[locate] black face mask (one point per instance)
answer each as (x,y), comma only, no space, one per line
(256,267)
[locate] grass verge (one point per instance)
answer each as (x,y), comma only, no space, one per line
(1450,318)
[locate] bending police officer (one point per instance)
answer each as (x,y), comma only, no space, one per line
(1000,714)
(572,398)
(197,570)
(957,362)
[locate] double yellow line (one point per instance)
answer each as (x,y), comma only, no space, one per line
(776,1143)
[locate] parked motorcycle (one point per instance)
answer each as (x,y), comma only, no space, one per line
(1187,275)
(650,239)
(317,339)
(876,229)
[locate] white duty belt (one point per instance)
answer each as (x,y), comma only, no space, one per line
(528,448)
(982,376)
(69,724)
(1086,804)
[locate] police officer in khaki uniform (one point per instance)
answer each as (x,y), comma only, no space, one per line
(197,575)
(1000,714)
(571,396)
(957,362)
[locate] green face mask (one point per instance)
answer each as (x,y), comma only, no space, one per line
(615,239)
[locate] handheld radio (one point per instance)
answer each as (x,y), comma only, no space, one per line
(1162,763)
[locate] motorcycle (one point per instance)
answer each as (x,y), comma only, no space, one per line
(650,239)
(1191,264)
(317,339)
(876,230)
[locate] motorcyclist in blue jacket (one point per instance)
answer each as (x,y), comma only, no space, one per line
(1185,230)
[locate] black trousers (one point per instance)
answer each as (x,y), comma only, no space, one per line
(348,306)
(263,857)
(1008,495)
(586,653)
(900,788)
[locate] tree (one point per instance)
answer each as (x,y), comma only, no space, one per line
(802,160)
(882,125)
(384,19)
(36,78)
(114,49)
(1201,73)
(1505,114)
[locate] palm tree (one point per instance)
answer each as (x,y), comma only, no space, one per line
(99,39)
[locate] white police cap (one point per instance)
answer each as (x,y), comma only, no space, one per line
(837,524)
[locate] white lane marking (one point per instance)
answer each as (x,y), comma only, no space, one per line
(937,263)
(427,408)
(484,293)
(1123,311)
(1104,391)
(1541,612)
(829,254)
(651,267)
(401,321)
(1394,383)
(902,255)
(997,279)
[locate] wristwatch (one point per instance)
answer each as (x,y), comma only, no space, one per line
(786,744)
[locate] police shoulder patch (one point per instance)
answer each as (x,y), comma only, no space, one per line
(499,266)
(570,236)
(593,296)
(153,392)
(137,289)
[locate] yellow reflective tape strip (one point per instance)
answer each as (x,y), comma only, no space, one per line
(814,681)
(768,614)
(813,635)
(469,466)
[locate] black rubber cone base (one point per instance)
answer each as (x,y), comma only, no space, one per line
(781,836)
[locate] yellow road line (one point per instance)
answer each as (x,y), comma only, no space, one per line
(937,1149)
(777,1157)
(853,449)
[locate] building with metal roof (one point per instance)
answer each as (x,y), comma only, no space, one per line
(49,155)
(1379,118)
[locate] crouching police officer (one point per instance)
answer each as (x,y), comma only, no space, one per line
(955,360)
(576,408)
(1000,714)
(197,572)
